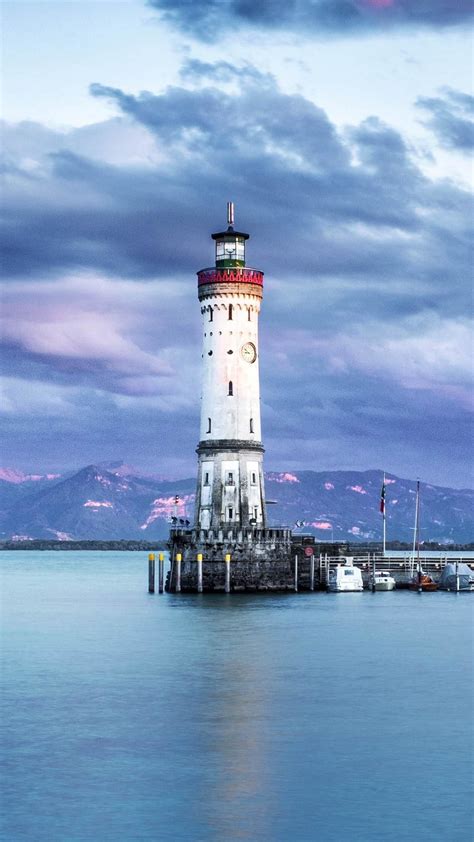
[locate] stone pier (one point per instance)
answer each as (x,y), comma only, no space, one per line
(261,559)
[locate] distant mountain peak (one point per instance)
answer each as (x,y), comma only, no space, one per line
(112,501)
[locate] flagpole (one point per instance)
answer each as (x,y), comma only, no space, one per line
(384,521)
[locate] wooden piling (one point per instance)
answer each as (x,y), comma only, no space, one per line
(296,572)
(199,572)
(161,559)
(178,572)
(151,573)
(227,573)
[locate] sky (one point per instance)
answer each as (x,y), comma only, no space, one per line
(341,129)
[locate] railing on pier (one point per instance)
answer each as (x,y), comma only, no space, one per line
(405,566)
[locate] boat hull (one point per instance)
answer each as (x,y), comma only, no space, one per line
(338,588)
(384,586)
(427,586)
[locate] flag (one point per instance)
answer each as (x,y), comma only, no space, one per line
(382,498)
(299,524)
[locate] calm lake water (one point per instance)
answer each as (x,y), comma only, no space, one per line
(184,717)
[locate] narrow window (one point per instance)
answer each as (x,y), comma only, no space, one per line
(208,425)
(211,314)
(231,513)
(255,513)
(231,388)
(254,479)
(206,479)
(230,478)
(230,312)
(249,316)
(251,425)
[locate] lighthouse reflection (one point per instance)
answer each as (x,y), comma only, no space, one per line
(236,802)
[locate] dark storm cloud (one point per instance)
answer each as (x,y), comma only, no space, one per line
(352,205)
(207,19)
(451,119)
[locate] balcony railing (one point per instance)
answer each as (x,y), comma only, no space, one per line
(233,275)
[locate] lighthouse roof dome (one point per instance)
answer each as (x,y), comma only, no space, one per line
(229,233)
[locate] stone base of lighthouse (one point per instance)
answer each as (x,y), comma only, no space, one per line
(261,559)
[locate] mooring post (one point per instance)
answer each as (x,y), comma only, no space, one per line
(227,573)
(311,572)
(161,559)
(457,575)
(199,572)
(151,573)
(178,572)
(296,572)
(373,572)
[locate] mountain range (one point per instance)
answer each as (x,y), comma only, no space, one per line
(114,501)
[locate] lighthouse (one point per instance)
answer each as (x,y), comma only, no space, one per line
(230,484)
(230,546)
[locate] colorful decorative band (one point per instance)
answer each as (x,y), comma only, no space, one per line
(234,275)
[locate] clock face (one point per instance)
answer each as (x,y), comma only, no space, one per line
(249,352)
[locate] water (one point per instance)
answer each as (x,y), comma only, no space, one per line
(185,717)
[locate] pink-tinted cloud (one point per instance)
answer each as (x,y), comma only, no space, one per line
(321,524)
(358,488)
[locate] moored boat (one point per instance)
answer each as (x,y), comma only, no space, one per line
(345,578)
(423,582)
(383,581)
(457,576)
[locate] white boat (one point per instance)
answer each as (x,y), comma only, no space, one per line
(383,581)
(345,577)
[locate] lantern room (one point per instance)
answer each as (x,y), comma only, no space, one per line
(230,244)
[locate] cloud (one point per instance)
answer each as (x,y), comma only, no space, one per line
(451,119)
(206,19)
(91,330)
(367,263)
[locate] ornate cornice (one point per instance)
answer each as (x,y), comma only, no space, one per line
(223,290)
(229,445)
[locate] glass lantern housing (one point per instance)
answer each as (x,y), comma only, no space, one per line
(230,248)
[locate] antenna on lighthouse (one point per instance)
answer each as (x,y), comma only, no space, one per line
(230,213)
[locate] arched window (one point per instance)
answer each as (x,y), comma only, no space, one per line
(230,312)
(231,387)
(251,425)
(208,425)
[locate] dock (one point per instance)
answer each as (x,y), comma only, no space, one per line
(303,570)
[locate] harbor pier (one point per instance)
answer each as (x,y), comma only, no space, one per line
(256,560)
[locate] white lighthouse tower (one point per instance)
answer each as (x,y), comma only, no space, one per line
(230,485)
(230,517)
